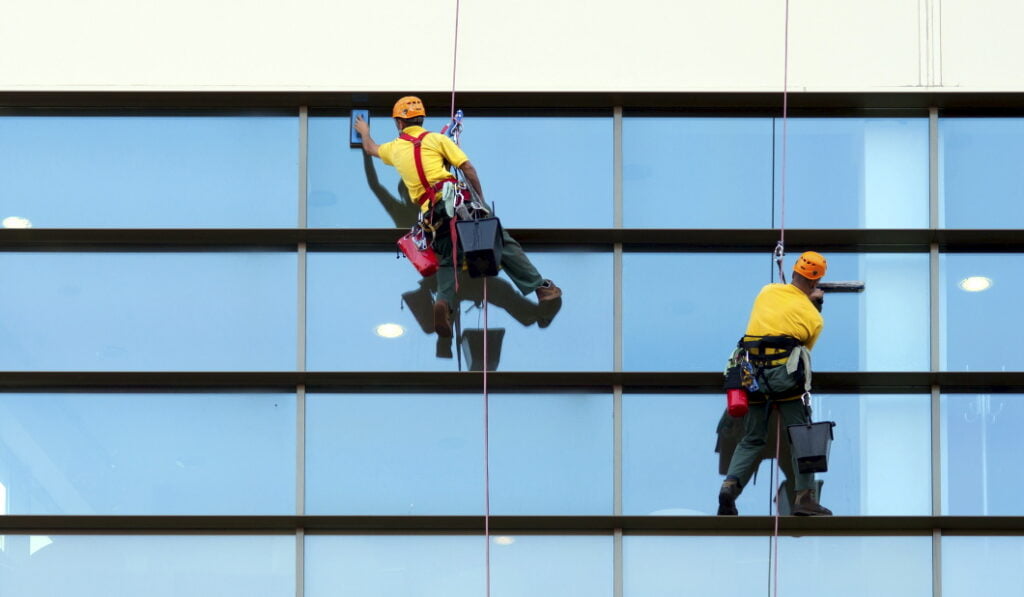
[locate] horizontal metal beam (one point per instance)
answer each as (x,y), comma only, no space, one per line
(633,239)
(681,525)
(498,381)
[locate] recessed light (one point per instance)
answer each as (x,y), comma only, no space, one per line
(504,540)
(16,222)
(975,283)
(389,330)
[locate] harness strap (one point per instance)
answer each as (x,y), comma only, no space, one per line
(429,190)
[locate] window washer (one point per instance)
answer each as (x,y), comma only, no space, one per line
(785,322)
(420,156)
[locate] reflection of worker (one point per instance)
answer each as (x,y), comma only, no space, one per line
(784,325)
(436,151)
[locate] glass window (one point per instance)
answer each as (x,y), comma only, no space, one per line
(149,171)
(982,566)
(853,172)
(148,311)
(125,454)
(528,187)
(670,465)
(423,454)
(686,311)
(155,566)
(807,566)
(980,299)
(980,448)
(980,181)
(346,308)
(453,566)
(696,172)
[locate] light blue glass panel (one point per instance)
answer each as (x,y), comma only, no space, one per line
(147,453)
(453,566)
(981,454)
(670,465)
(686,311)
(414,454)
(351,294)
(981,184)
(527,185)
(853,173)
(982,566)
(697,172)
(394,454)
(148,311)
(149,171)
(551,454)
(151,565)
(980,310)
(807,566)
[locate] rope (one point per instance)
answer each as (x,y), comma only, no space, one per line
(780,247)
(774,550)
(455,56)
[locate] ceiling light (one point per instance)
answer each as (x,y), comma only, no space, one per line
(389,330)
(503,540)
(975,283)
(16,222)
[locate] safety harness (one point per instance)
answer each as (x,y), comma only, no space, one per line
(773,366)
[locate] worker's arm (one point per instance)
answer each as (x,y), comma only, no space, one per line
(474,180)
(818,298)
(369,145)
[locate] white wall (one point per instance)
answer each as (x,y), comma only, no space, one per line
(514,45)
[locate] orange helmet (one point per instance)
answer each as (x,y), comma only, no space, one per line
(810,265)
(409,106)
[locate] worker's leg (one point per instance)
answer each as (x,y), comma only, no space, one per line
(792,413)
(443,247)
(518,266)
(747,456)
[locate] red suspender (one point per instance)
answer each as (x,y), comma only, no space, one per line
(417,154)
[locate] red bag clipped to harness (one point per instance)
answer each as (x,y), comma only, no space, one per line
(414,245)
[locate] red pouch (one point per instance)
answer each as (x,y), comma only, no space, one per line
(424,260)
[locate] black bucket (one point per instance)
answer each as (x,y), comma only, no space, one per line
(481,245)
(811,443)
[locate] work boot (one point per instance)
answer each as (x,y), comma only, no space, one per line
(727,497)
(806,505)
(442,319)
(548,291)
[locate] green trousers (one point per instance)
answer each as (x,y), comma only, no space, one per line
(748,454)
(513,260)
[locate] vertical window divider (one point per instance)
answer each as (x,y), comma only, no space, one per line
(936,562)
(617,450)
(617,584)
(303,162)
(300,561)
(936,451)
(617,249)
(300,450)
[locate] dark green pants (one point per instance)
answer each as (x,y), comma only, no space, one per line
(747,456)
(513,260)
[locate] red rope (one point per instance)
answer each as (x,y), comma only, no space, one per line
(775,535)
(455,57)
(487,455)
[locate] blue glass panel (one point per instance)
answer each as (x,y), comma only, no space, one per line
(853,173)
(347,303)
(155,566)
(982,566)
(980,180)
(416,454)
(696,172)
(670,465)
(980,452)
(126,454)
(979,301)
(453,566)
(149,171)
(148,311)
(528,187)
(685,312)
(807,566)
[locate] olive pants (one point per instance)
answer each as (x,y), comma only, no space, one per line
(747,456)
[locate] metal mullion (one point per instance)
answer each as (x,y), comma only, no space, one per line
(303,163)
(300,450)
(617,572)
(300,562)
(937,563)
(936,451)
(617,450)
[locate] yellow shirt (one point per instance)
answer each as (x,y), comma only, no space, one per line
(436,151)
(784,310)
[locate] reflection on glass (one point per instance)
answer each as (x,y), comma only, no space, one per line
(853,172)
(148,311)
(150,171)
(982,566)
(453,566)
(344,310)
(155,566)
(686,311)
(971,321)
(423,454)
(980,180)
(147,453)
(696,172)
(980,448)
(807,566)
(670,465)
(527,188)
